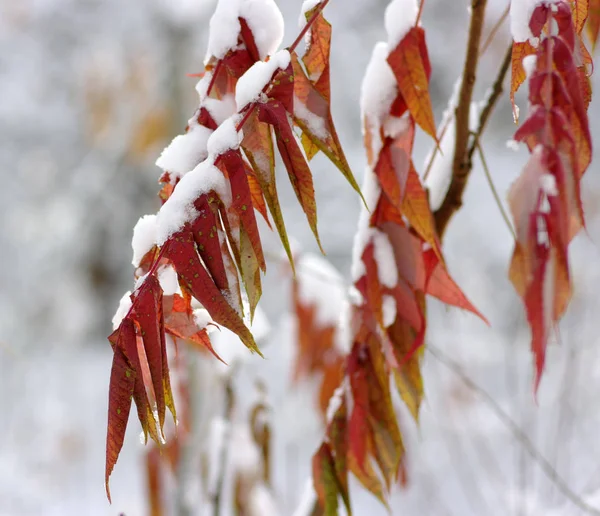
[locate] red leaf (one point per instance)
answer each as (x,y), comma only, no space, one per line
(194,277)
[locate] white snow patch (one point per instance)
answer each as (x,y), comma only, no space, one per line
(520,15)
(250,85)
(389,310)
(548,184)
(378,91)
(512,145)
(167,277)
(400,17)
(315,123)
(202,318)
(122,310)
(529,64)
(386,261)
(335,402)
(307,5)
(264,20)
(144,238)
(186,150)
(225,137)
(220,109)
(179,208)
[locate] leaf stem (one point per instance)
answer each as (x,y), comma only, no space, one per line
(308,25)
(494,191)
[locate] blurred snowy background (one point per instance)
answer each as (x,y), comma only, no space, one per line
(91,92)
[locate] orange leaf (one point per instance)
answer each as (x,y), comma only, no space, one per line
(593,22)
(518,76)
(410,63)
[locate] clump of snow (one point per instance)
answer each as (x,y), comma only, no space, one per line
(179,208)
(378,90)
(307,5)
(186,150)
(529,64)
(343,337)
(548,184)
(335,402)
(263,18)
(389,310)
(520,15)
(167,277)
(250,85)
(220,109)
(266,23)
(400,17)
(122,310)
(144,238)
(387,270)
(202,318)
(512,145)
(320,285)
(225,137)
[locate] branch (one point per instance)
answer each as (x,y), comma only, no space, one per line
(461,166)
(228,413)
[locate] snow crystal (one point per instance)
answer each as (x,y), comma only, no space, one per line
(322,286)
(307,501)
(122,310)
(167,277)
(186,150)
(548,184)
(202,86)
(250,85)
(400,16)
(179,208)
(225,137)
(144,238)
(529,64)
(378,90)
(389,310)
(315,124)
(263,18)
(220,109)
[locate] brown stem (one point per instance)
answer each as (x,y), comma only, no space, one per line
(222,465)
(461,166)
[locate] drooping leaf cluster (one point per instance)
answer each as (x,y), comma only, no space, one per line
(398,260)
(545,200)
(206,230)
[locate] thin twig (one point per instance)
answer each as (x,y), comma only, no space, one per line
(529,447)
(486,112)
(494,30)
(460,167)
(494,191)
